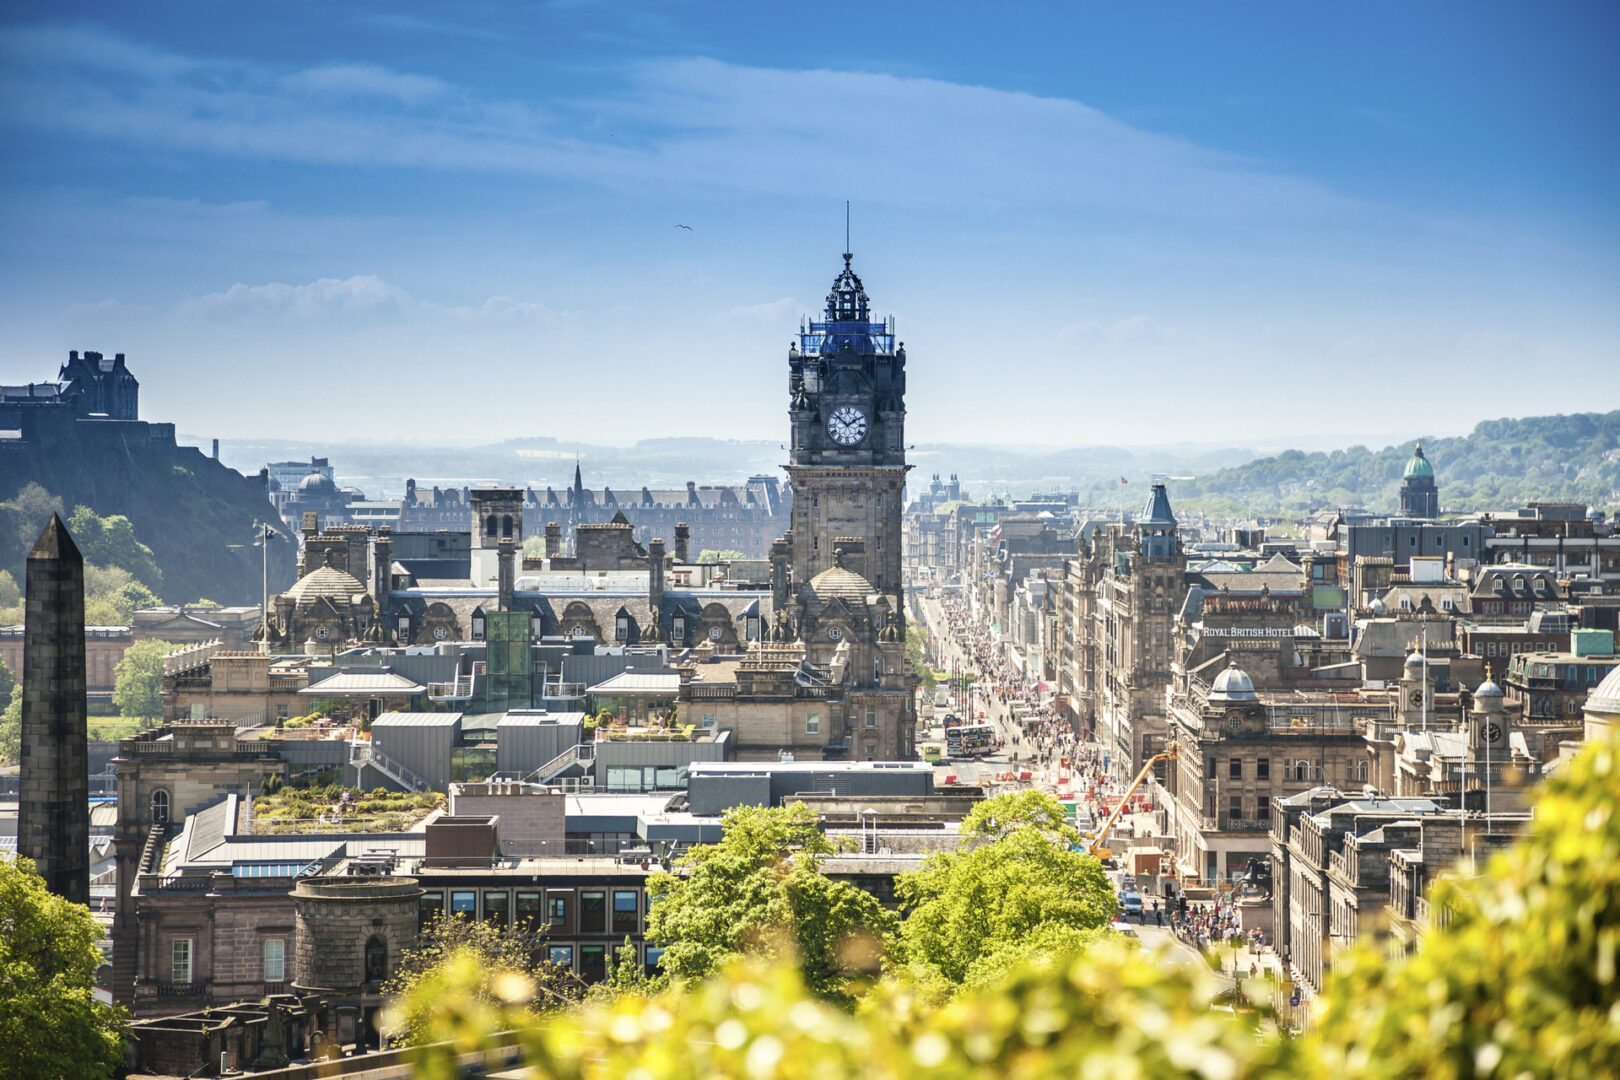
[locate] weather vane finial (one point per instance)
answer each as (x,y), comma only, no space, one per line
(847,252)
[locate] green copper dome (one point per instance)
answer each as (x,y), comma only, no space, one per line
(1419,465)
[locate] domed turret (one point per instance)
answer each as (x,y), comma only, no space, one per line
(838,582)
(317,484)
(1487,689)
(1233,685)
(324,581)
(1420,498)
(1419,465)
(1377,607)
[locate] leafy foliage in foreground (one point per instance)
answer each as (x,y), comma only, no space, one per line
(488,966)
(50,1022)
(1520,982)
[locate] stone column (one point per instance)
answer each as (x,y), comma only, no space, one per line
(53,825)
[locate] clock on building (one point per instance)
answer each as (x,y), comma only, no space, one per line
(1493,733)
(1416,697)
(847,425)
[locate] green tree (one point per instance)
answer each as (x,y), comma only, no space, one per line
(760,890)
(718,555)
(111,541)
(10,591)
(507,968)
(8,683)
(11,729)
(138,680)
(50,1022)
(1016,887)
(29,510)
(917,657)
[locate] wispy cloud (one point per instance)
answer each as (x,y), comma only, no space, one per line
(359,295)
(362,292)
(366,81)
(681,122)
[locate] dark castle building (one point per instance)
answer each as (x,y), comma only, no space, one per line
(1420,498)
(87,386)
(53,826)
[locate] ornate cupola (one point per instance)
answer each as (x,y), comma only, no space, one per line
(847,301)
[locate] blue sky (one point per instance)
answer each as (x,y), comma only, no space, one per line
(1098,223)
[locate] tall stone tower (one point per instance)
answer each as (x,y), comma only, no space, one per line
(1420,497)
(847,465)
(53,826)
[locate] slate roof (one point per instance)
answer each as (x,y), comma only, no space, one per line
(640,683)
(384,683)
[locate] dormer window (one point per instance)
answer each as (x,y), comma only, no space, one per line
(478,628)
(621,628)
(677,628)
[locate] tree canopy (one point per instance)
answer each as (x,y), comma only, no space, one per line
(138,680)
(50,1022)
(1016,889)
(760,890)
(110,541)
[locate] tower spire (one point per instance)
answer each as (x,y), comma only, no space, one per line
(847,253)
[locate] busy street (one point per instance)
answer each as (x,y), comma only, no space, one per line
(1037,748)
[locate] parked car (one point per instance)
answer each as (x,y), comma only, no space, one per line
(1130,903)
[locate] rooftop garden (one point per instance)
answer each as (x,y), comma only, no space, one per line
(316,808)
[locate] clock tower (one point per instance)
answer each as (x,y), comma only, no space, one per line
(847,467)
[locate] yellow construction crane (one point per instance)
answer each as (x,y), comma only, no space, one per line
(1096,847)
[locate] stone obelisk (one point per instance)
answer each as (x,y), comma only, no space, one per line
(53,826)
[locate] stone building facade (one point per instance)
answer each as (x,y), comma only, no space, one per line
(1118,646)
(164,775)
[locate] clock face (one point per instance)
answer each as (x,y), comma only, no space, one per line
(847,425)
(1493,733)
(1417,697)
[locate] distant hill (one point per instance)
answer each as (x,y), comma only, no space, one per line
(1500,464)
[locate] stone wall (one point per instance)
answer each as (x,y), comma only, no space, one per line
(335,920)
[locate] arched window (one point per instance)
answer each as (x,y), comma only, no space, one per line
(376,959)
(160,807)
(506,525)
(490,525)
